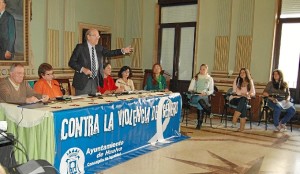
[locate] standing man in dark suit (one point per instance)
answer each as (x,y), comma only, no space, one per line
(7,33)
(87,61)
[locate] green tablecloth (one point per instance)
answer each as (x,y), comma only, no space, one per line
(37,140)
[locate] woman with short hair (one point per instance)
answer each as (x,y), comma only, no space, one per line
(46,84)
(124,80)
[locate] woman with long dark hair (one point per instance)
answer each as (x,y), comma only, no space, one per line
(156,81)
(109,86)
(243,90)
(278,92)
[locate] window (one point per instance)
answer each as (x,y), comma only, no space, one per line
(289,52)
(287,45)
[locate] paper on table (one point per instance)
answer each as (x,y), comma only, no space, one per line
(75,97)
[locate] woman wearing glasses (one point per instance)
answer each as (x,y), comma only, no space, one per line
(46,85)
(124,80)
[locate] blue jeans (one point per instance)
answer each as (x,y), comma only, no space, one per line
(194,100)
(290,112)
(241,105)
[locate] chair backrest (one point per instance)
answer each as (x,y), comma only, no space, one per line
(148,72)
(66,87)
(228,94)
(31,82)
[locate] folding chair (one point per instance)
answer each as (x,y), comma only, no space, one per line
(188,106)
(228,106)
(267,112)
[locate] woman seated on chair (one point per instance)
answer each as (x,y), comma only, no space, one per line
(243,90)
(124,80)
(201,86)
(109,86)
(156,81)
(46,85)
(278,93)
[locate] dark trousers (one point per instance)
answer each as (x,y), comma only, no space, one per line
(241,104)
(90,88)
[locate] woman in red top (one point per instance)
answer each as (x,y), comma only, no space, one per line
(46,85)
(109,86)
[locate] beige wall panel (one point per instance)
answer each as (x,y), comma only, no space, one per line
(69,40)
(53,47)
(243,52)
(221,53)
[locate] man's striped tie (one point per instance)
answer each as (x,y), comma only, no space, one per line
(94,71)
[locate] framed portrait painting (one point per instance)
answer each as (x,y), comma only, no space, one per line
(14,32)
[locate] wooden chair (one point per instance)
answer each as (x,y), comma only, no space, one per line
(65,86)
(148,72)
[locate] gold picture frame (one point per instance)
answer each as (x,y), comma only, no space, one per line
(21,11)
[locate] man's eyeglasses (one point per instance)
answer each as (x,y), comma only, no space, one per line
(95,36)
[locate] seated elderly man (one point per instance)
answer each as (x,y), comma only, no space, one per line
(14,89)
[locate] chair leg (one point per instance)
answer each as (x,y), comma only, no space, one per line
(267,118)
(224,109)
(250,118)
(250,121)
(264,112)
(186,116)
(226,117)
(210,121)
(183,115)
(260,117)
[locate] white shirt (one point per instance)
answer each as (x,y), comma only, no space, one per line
(127,86)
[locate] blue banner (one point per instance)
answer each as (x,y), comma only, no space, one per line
(92,136)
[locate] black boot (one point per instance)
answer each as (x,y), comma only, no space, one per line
(199,118)
(205,106)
